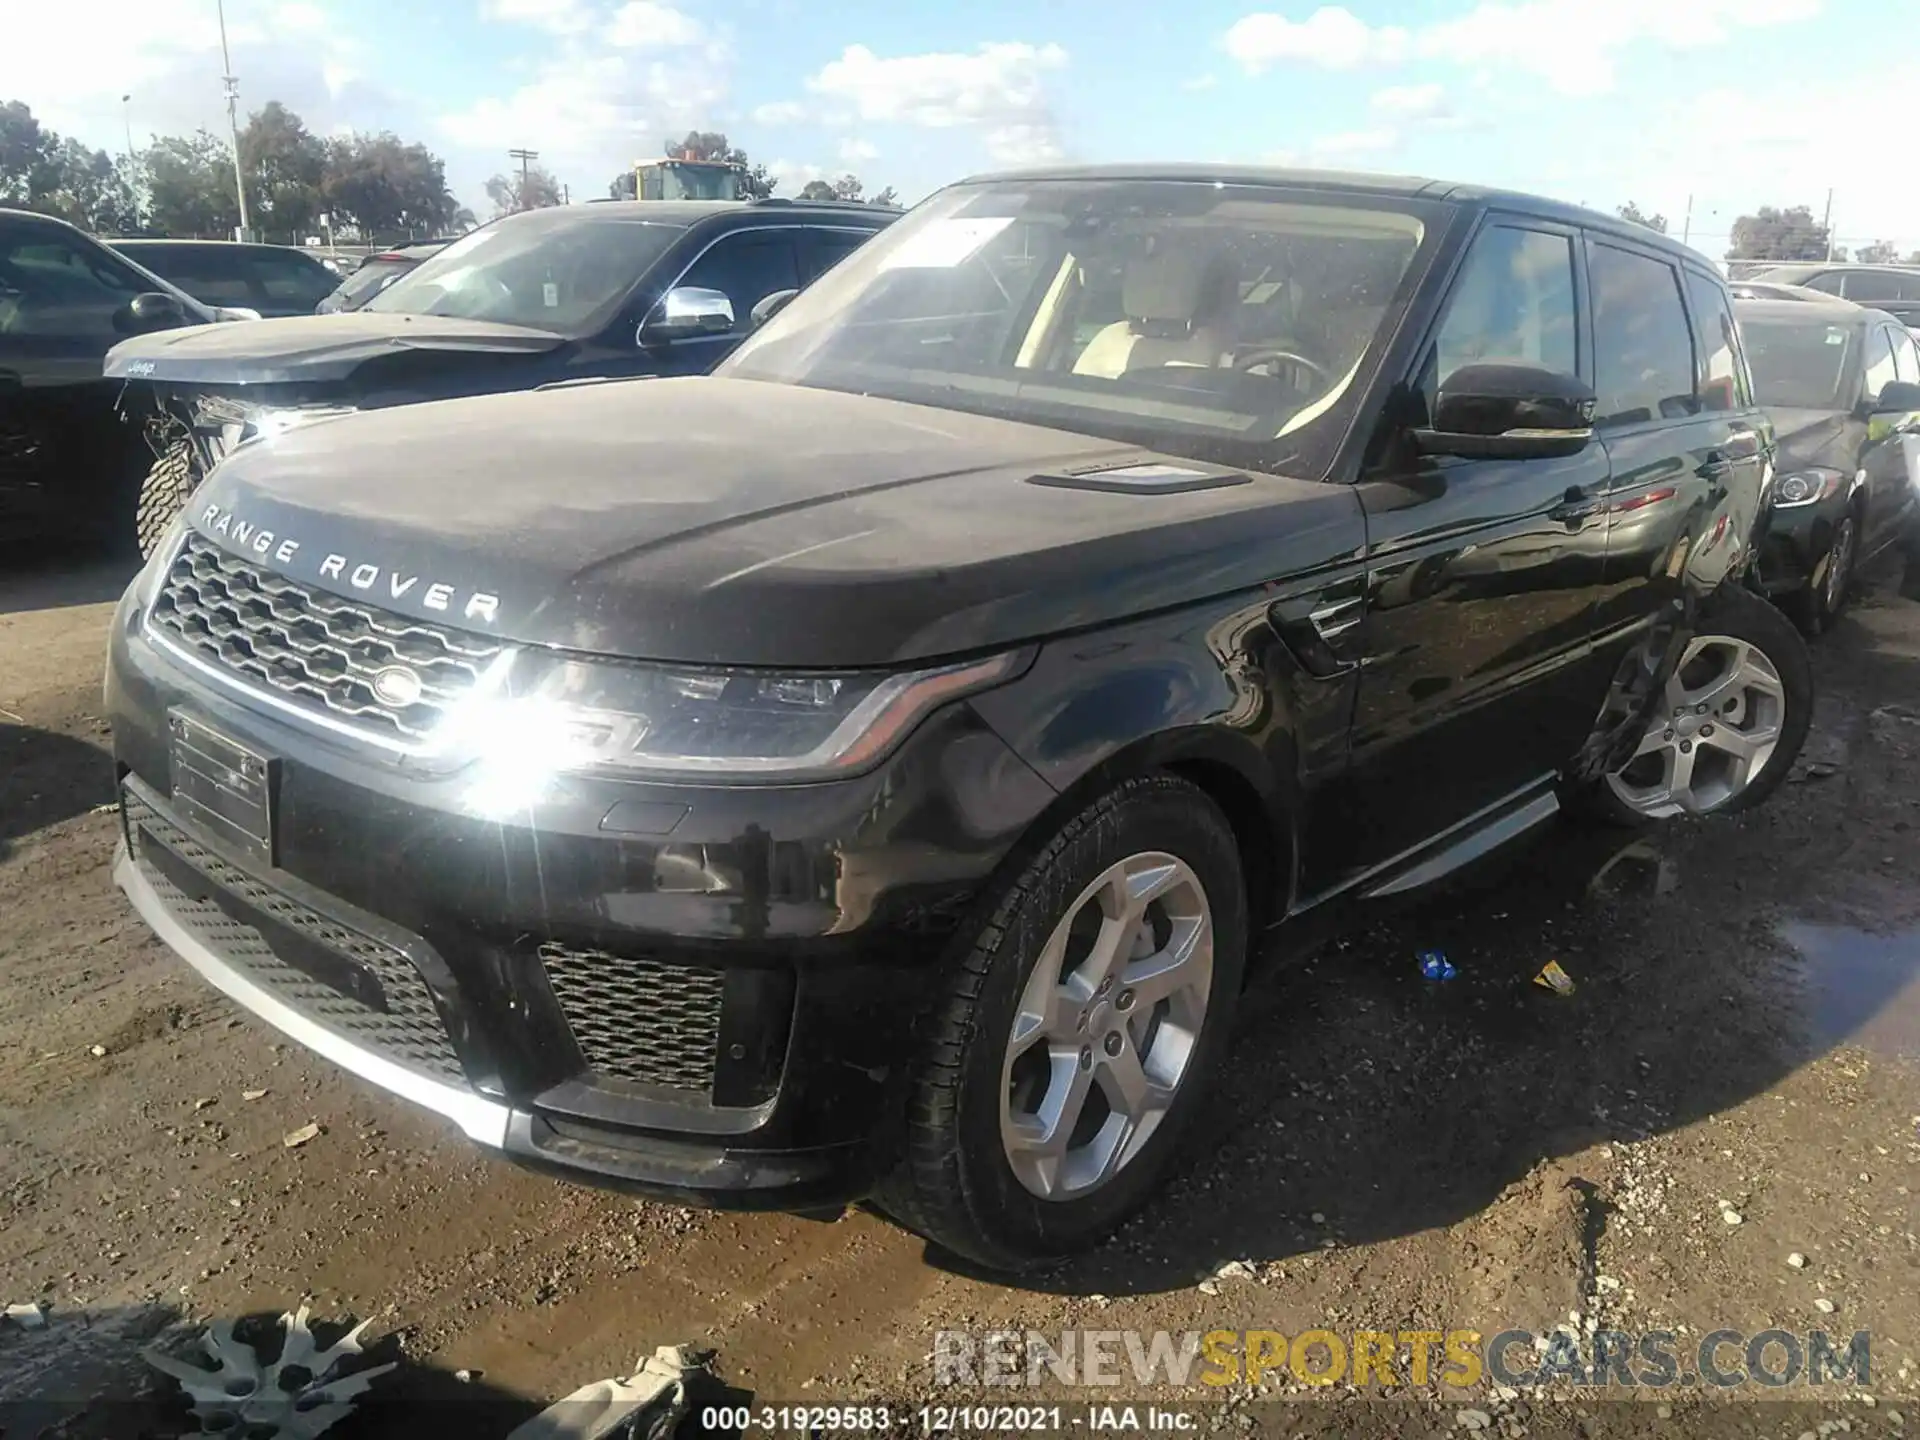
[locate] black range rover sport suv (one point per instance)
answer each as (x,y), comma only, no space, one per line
(869,771)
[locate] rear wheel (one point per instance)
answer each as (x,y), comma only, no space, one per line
(1079,1031)
(1820,602)
(1730,723)
(169,484)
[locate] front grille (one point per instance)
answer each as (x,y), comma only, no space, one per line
(409,1032)
(641,1020)
(320,650)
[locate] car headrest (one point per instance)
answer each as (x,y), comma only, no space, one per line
(1169,294)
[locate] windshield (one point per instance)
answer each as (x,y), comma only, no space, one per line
(558,269)
(1221,322)
(1796,365)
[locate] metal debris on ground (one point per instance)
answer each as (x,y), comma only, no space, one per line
(646,1405)
(1434,965)
(296,1138)
(296,1397)
(1553,977)
(31,1316)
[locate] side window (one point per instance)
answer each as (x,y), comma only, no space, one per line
(1723,379)
(1868,286)
(746,267)
(1830,283)
(1642,348)
(1880,363)
(1906,358)
(1513,301)
(292,281)
(830,247)
(50,286)
(211,275)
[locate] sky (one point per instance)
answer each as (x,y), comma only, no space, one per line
(1708,106)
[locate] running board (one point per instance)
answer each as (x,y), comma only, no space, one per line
(1461,849)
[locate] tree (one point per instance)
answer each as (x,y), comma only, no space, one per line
(887,199)
(190,186)
(623,187)
(1774,234)
(847,187)
(535,191)
(43,171)
(387,190)
(1881,252)
(286,167)
(1632,213)
(23,148)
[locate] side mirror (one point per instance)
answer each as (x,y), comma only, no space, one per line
(1509,412)
(684,313)
(236,312)
(768,306)
(1897,397)
(152,310)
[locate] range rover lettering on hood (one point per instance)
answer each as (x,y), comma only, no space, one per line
(351,571)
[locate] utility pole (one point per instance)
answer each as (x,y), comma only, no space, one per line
(1826,224)
(233,121)
(126,114)
(526,158)
(1686,226)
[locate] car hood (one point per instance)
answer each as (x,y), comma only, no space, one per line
(715,521)
(1811,437)
(308,348)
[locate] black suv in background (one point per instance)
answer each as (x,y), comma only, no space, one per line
(65,462)
(575,292)
(871,769)
(270,280)
(1842,385)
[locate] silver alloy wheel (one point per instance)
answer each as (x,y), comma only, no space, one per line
(1722,716)
(1839,563)
(1107,1025)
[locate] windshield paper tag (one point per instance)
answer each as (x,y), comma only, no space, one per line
(945,243)
(550,293)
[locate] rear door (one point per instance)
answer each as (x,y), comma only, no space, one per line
(288,283)
(823,248)
(1483,574)
(214,274)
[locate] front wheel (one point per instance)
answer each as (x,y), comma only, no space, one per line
(1730,723)
(1819,603)
(1079,1031)
(169,485)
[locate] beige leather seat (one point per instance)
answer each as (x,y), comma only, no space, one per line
(1179,307)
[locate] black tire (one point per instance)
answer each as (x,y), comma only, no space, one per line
(164,493)
(1818,603)
(1742,615)
(954,1184)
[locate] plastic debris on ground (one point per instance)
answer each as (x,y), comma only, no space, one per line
(646,1405)
(294,1139)
(1434,965)
(1553,977)
(295,1397)
(31,1316)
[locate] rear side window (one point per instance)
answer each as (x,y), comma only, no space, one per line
(830,247)
(1870,286)
(213,275)
(1723,375)
(1642,348)
(1829,283)
(1513,301)
(292,280)
(1881,369)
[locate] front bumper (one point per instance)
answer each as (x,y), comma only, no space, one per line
(1796,543)
(714,1003)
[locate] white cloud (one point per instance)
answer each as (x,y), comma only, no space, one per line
(1200,82)
(1527,36)
(298,15)
(1356,142)
(998,89)
(779,112)
(1412,102)
(793,175)
(858,152)
(647,25)
(560,17)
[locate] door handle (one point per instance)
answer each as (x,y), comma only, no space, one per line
(1576,506)
(1715,467)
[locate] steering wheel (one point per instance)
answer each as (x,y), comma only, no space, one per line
(1254,359)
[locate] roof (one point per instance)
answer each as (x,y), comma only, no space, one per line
(1803,269)
(692,212)
(11,212)
(156,242)
(1830,310)
(1411,187)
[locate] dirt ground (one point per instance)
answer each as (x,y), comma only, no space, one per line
(1734,1081)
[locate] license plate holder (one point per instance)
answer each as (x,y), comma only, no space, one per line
(222,787)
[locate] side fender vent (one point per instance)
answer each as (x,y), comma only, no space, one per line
(1142,479)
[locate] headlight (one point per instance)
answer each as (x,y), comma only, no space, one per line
(1806,487)
(267,424)
(597,717)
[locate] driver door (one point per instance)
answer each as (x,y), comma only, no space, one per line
(1483,578)
(745,266)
